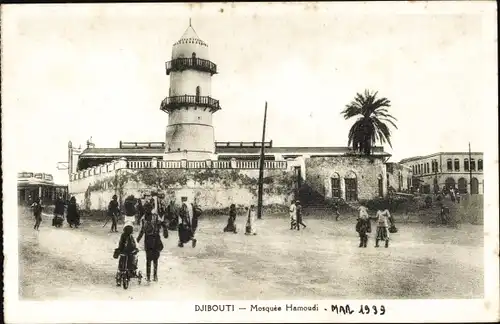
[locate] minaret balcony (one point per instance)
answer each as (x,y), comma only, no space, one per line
(171,103)
(181,64)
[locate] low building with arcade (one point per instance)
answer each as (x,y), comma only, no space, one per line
(31,186)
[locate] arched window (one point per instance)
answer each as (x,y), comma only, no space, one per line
(472,165)
(335,185)
(449,165)
(457,164)
(193,56)
(198,91)
(466,164)
(351,187)
(480,165)
(427,167)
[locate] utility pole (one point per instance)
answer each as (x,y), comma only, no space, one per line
(261,167)
(470,170)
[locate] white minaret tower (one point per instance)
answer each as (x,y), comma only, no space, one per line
(190,134)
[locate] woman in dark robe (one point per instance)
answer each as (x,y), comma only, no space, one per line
(150,229)
(73,216)
(140,211)
(231,227)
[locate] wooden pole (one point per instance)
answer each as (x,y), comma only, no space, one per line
(470,170)
(261,167)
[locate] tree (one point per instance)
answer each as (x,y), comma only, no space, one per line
(371,125)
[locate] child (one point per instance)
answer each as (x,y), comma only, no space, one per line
(128,246)
(362,228)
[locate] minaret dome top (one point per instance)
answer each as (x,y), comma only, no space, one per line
(188,44)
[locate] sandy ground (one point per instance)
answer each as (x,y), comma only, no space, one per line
(321,262)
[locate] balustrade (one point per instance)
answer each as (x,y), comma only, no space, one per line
(183,164)
(181,64)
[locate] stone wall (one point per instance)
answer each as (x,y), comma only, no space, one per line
(367,170)
(211,188)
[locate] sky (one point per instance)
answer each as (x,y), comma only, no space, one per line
(71,72)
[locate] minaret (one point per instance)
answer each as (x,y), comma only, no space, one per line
(190,134)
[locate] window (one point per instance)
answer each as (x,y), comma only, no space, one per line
(457,164)
(194,56)
(434,166)
(198,90)
(472,165)
(351,187)
(466,164)
(336,186)
(480,165)
(427,166)
(449,165)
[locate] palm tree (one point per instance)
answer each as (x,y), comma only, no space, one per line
(371,125)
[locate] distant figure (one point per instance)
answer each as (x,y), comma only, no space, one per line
(231,226)
(150,229)
(130,210)
(114,213)
(452,194)
(162,206)
(185,227)
(73,216)
(172,215)
(335,207)
(196,216)
(58,211)
(293,215)
(362,227)
(458,196)
(299,215)
(250,225)
(37,212)
(140,211)
(383,218)
(363,213)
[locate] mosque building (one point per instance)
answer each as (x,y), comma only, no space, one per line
(327,172)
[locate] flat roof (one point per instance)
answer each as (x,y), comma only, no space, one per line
(224,150)
(415,158)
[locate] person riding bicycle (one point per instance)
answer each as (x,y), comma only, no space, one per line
(128,247)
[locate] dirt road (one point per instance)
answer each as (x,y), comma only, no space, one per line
(320,262)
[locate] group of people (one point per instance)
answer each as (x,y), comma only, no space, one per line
(295,212)
(60,209)
(385,225)
(154,217)
(250,227)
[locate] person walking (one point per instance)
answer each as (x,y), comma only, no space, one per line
(250,225)
(73,216)
(362,227)
(185,226)
(299,216)
(231,226)
(293,215)
(114,213)
(383,218)
(59,212)
(37,212)
(150,229)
